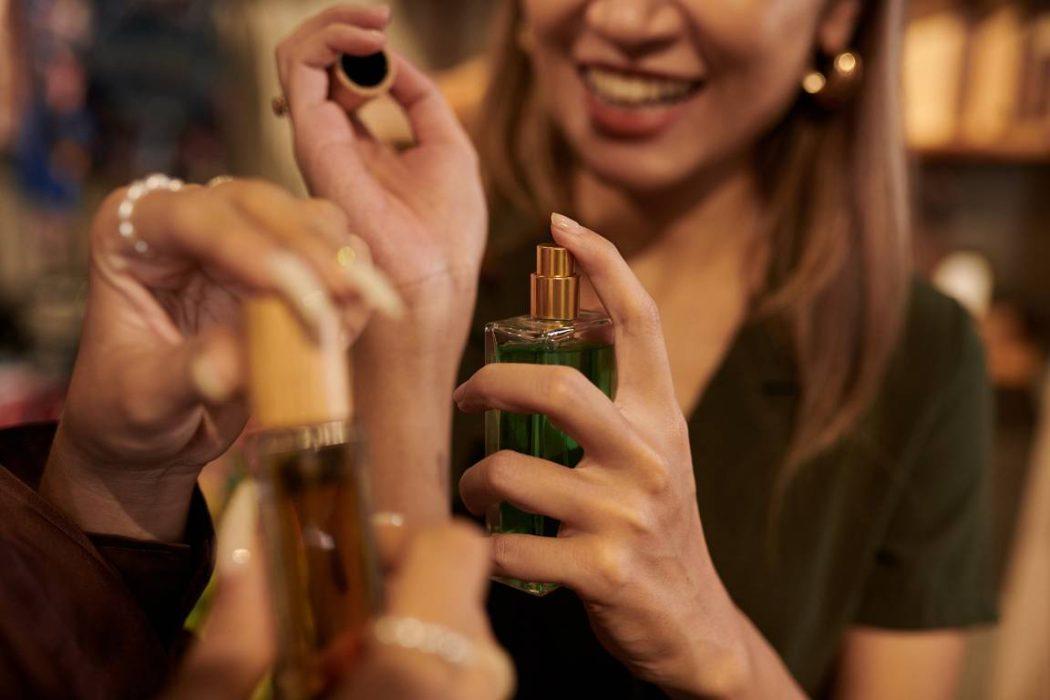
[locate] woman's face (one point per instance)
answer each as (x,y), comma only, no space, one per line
(652,92)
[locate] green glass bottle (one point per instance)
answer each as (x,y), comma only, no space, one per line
(555,332)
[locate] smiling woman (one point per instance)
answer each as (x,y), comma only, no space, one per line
(767,220)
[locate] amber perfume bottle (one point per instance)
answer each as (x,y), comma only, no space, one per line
(555,332)
(324,576)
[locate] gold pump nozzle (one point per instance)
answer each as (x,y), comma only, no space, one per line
(555,287)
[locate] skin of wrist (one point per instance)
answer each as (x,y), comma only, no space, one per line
(714,665)
(117,499)
(437,313)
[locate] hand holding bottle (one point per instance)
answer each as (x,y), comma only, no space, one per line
(631,544)
(154,393)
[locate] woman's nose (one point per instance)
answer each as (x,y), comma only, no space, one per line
(635,24)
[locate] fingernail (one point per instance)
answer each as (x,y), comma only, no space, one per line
(564,224)
(209,381)
(374,287)
(302,288)
(388,518)
(236,532)
(376,35)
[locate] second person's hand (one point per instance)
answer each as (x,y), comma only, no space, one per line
(155,389)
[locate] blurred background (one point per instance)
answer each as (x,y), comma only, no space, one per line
(96,92)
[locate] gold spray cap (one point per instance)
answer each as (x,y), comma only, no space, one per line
(555,287)
(295,377)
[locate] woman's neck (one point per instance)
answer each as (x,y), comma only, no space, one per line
(695,223)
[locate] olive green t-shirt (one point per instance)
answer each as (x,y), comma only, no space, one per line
(889,528)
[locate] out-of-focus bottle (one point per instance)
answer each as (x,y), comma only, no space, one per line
(324,576)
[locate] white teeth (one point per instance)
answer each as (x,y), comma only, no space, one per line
(636,90)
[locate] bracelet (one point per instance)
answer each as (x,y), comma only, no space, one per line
(138,190)
(450,646)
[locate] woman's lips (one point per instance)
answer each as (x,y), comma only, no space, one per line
(629,105)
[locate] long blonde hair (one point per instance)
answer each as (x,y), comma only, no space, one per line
(835,183)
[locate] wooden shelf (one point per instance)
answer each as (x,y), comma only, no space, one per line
(1000,154)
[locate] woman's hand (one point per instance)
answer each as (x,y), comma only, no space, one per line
(631,543)
(422,209)
(154,393)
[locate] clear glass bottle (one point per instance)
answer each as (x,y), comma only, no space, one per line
(555,332)
(324,576)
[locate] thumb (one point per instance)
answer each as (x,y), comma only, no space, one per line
(214,366)
(161,384)
(236,645)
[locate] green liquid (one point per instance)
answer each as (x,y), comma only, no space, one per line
(534,434)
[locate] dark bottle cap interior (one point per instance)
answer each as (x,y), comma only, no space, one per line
(366,71)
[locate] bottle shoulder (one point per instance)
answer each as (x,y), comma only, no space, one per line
(530,329)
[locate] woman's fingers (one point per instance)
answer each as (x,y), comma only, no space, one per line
(641,355)
(532,484)
(215,369)
(363,18)
(160,382)
(269,241)
(366,17)
(429,114)
(318,52)
(563,394)
(236,646)
(584,563)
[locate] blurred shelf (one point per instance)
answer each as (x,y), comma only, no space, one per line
(963,154)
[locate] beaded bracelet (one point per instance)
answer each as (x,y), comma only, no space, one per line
(452,647)
(136,191)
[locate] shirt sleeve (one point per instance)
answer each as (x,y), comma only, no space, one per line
(933,568)
(165,579)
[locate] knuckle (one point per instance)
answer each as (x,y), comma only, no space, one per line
(635,516)
(611,566)
(499,469)
(564,384)
(502,551)
(642,314)
(655,474)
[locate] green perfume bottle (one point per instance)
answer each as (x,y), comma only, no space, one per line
(555,332)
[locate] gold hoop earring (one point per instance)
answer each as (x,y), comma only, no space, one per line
(837,85)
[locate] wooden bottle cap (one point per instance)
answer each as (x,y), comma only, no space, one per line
(357,79)
(294,377)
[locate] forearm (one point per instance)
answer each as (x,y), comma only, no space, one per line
(113,499)
(404,374)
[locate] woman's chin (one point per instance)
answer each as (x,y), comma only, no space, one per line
(633,170)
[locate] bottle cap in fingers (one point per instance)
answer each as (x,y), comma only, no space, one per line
(357,79)
(296,377)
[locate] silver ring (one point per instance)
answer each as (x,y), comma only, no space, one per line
(136,191)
